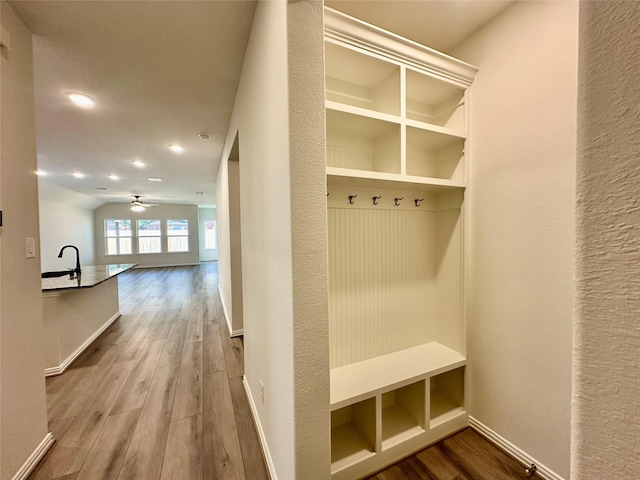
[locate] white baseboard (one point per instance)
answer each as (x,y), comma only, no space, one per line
(541,471)
(40,451)
(263,440)
(51,371)
(167,265)
(227,320)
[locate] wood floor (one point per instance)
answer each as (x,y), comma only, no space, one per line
(159,396)
(464,456)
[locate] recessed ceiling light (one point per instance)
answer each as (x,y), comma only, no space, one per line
(138,163)
(176,148)
(199,193)
(81,100)
(78,174)
(154,179)
(114,177)
(41,173)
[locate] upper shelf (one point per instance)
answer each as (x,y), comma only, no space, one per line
(353,177)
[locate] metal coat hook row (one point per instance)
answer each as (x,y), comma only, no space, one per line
(418,201)
(352,199)
(376,199)
(397,201)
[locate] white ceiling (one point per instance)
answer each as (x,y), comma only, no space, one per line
(163,72)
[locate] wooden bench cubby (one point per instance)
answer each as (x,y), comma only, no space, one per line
(403,398)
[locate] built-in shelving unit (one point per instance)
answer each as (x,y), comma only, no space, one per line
(397,174)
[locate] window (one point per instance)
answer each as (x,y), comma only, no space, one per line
(149,236)
(178,235)
(210,237)
(118,237)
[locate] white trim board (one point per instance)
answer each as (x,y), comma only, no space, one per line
(40,451)
(542,471)
(167,265)
(51,371)
(227,320)
(271,469)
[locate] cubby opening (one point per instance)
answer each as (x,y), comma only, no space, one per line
(434,101)
(403,413)
(353,434)
(357,79)
(435,155)
(362,143)
(446,396)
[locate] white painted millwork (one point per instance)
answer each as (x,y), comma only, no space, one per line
(397,126)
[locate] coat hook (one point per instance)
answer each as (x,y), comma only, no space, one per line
(375,199)
(418,201)
(397,200)
(352,199)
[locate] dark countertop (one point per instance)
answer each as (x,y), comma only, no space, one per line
(90,277)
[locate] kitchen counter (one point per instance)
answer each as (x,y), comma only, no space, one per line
(88,278)
(76,311)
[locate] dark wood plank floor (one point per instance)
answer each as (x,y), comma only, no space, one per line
(464,456)
(159,394)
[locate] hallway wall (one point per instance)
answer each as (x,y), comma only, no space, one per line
(66,217)
(278,116)
(606,425)
(522,200)
(23,406)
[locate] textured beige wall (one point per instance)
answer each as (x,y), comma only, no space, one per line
(309,244)
(278,115)
(23,407)
(606,424)
(522,197)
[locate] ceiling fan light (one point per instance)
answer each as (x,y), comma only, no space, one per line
(137,208)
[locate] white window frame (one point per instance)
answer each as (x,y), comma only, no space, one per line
(171,236)
(117,236)
(139,237)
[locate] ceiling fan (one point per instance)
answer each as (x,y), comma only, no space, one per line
(138,205)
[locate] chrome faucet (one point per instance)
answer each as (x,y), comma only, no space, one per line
(77,270)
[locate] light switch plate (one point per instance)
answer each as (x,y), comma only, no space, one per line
(29,247)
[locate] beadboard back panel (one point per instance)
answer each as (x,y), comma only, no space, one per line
(395,272)
(381,281)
